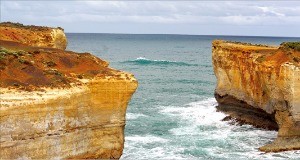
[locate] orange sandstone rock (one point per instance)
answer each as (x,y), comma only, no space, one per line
(33,35)
(58,104)
(260,85)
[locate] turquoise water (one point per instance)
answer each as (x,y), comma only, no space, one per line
(172,114)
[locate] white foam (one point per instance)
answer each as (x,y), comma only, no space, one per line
(200,113)
(143,58)
(132,116)
(145,139)
(151,153)
(136,148)
(199,122)
(245,139)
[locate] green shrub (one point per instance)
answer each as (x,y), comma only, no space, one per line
(261,59)
(290,45)
(248,44)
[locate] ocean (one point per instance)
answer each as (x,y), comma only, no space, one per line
(172,115)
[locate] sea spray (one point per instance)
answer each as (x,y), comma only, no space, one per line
(201,133)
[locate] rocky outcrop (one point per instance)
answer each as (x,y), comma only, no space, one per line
(260,85)
(33,35)
(58,104)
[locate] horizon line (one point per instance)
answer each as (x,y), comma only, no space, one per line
(182,34)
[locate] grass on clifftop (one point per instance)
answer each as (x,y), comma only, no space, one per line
(31,27)
(4,52)
(17,54)
(291,45)
(247,44)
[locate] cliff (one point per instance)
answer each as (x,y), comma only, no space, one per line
(260,85)
(58,104)
(33,35)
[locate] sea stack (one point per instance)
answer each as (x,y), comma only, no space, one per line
(260,85)
(58,104)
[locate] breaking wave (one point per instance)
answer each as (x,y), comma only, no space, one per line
(145,61)
(201,133)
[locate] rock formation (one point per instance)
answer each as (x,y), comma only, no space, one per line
(58,104)
(33,35)
(260,85)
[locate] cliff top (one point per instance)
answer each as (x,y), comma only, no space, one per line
(33,35)
(269,55)
(242,45)
(30,27)
(33,57)
(290,46)
(28,68)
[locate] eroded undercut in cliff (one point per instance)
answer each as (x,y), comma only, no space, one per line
(244,113)
(260,85)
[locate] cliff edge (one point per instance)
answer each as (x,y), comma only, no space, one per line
(260,85)
(33,35)
(58,104)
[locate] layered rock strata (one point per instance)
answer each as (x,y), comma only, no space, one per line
(33,35)
(58,104)
(260,85)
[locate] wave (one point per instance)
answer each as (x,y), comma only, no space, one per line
(145,61)
(200,122)
(197,113)
(200,133)
(146,139)
(149,147)
(132,116)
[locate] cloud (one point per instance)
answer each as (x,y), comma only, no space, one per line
(217,13)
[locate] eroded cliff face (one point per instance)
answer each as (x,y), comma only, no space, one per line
(33,35)
(58,104)
(260,85)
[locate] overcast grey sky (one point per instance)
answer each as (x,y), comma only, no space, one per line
(256,18)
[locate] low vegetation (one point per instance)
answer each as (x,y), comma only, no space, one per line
(19,25)
(248,44)
(5,52)
(261,59)
(290,45)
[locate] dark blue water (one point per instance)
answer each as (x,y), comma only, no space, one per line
(172,114)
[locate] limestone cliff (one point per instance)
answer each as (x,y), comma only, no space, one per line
(58,104)
(260,85)
(33,35)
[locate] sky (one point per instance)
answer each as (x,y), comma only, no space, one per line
(252,18)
